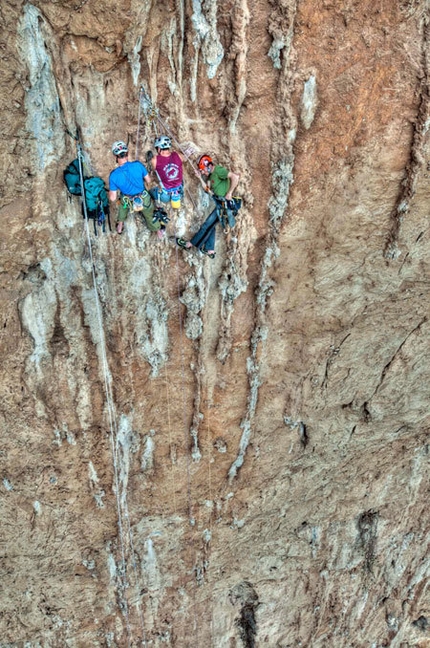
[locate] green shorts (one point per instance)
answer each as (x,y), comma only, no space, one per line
(146,214)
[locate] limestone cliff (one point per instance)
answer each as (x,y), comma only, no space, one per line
(231,452)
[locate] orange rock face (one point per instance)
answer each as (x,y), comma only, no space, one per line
(227,452)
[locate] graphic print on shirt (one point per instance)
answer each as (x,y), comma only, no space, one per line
(171,171)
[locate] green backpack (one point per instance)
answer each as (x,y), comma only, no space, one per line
(96,198)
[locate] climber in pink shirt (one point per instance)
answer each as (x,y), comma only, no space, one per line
(167,165)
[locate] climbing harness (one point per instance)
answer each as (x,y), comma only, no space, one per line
(142,205)
(137,203)
(168,195)
(227,211)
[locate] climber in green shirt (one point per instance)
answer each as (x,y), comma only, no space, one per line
(221,183)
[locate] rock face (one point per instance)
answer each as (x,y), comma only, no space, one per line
(229,452)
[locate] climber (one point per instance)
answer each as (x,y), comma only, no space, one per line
(167,165)
(220,183)
(128,185)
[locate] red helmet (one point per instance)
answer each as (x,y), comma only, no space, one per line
(204,162)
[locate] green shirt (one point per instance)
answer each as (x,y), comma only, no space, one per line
(220,182)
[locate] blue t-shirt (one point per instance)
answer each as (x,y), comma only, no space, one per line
(128,178)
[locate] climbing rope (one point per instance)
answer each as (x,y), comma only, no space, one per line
(169,424)
(209,442)
(184,416)
(112,426)
(153,116)
(184,420)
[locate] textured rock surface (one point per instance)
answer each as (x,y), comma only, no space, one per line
(233,452)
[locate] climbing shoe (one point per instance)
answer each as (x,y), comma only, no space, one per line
(160,215)
(182,243)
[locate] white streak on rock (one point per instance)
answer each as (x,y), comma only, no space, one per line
(38,318)
(309,102)
(275,52)
(8,486)
(112,567)
(92,473)
(42,101)
(94,480)
(147,462)
(205,26)
(134,60)
(150,567)
(124,442)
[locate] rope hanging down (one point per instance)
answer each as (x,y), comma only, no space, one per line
(112,425)
(152,114)
(191,518)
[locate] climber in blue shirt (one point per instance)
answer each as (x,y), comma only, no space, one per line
(128,180)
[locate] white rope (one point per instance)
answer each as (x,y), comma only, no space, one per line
(113,428)
(148,107)
(150,110)
(186,435)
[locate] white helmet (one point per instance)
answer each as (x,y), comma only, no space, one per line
(119,147)
(164,142)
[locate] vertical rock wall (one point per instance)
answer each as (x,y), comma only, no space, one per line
(228,452)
